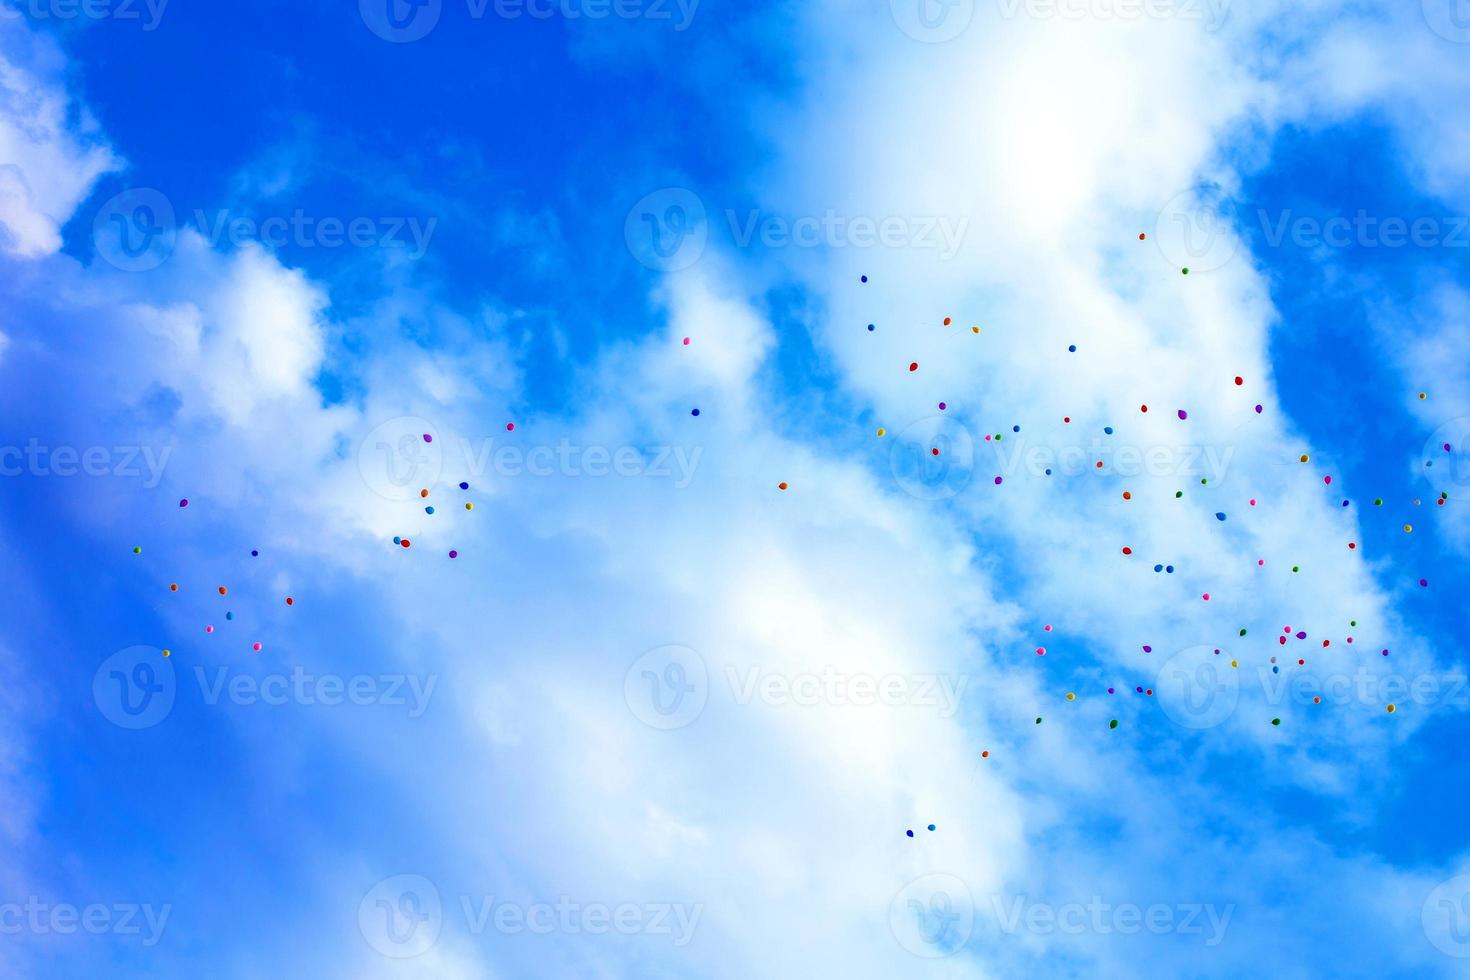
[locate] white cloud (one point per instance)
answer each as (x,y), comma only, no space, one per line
(47,167)
(784,821)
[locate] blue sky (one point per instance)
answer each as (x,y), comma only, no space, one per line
(659,716)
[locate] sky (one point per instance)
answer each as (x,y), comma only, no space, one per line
(657,488)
